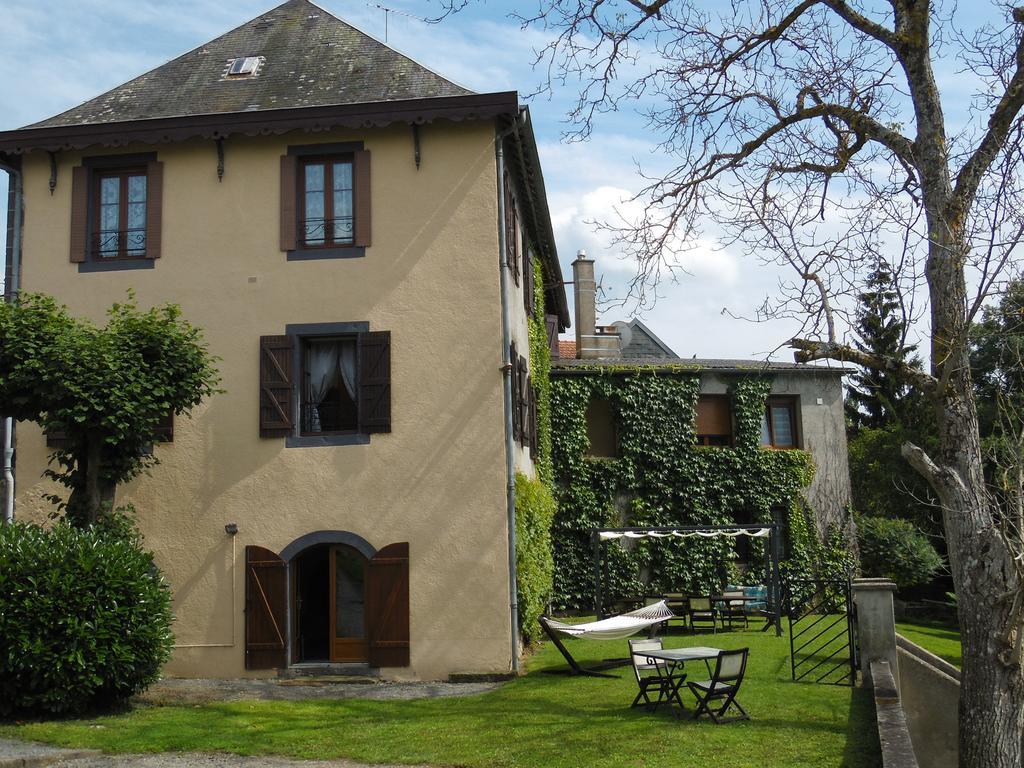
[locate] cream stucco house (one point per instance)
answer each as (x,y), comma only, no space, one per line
(354,233)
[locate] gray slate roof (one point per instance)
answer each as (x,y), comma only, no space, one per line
(313,59)
(723,365)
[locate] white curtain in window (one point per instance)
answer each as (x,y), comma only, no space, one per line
(322,362)
(347,367)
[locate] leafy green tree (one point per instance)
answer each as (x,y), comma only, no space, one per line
(997,358)
(876,396)
(106,389)
(896,550)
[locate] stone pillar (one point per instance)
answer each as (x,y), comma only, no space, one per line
(876,625)
(585,295)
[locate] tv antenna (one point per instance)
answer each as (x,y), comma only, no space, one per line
(388,11)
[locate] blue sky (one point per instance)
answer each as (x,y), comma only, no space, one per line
(59,53)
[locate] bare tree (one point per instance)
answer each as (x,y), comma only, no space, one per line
(814,133)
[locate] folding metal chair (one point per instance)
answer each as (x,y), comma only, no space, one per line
(647,683)
(723,686)
(702,612)
(734,611)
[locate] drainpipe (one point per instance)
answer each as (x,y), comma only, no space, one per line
(12,293)
(506,368)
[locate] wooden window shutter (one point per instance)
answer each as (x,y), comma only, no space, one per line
(361,185)
(276,419)
(154,207)
(56,439)
(532,408)
(714,415)
(164,431)
(289,199)
(511,228)
(551,323)
(524,402)
(79,213)
(266,609)
(375,382)
(387,606)
(514,374)
(528,282)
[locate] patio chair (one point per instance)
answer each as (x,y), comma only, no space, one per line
(702,612)
(730,668)
(677,603)
(647,683)
(733,611)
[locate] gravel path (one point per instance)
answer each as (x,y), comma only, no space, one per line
(200,760)
(193,691)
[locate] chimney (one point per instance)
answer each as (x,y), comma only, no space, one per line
(591,341)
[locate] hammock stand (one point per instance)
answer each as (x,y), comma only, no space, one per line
(773,555)
(613,628)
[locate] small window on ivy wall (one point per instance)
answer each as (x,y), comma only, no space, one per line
(779,424)
(714,420)
(601,428)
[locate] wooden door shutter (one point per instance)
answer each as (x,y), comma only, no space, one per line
(276,419)
(266,609)
(79,213)
(387,606)
(361,188)
(154,207)
(375,382)
(289,198)
(528,297)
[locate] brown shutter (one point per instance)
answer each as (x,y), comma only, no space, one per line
(266,609)
(551,322)
(154,207)
(387,606)
(57,438)
(375,382)
(79,213)
(164,431)
(528,282)
(713,415)
(524,402)
(532,408)
(361,183)
(289,196)
(276,408)
(514,374)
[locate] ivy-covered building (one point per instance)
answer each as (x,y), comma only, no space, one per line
(643,437)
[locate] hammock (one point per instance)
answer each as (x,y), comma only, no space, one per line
(615,628)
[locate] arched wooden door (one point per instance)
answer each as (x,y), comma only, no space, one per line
(347,604)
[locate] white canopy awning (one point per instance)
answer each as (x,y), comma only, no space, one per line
(757,533)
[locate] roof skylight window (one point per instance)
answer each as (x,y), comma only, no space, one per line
(244,66)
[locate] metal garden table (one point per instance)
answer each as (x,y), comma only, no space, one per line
(668,664)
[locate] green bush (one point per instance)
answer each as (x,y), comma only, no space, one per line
(535,511)
(896,550)
(84,617)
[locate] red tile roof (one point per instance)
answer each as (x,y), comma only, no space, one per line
(566,349)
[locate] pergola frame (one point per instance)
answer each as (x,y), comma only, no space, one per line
(773,555)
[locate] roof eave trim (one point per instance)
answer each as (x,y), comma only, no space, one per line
(574,367)
(483,106)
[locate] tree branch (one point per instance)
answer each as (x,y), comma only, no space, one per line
(999,124)
(863,24)
(936,476)
(808,350)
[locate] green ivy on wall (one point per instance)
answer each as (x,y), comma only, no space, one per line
(660,477)
(535,501)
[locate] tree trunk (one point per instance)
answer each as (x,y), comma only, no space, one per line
(992,687)
(93,496)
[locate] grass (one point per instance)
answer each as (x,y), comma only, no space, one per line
(938,637)
(539,720)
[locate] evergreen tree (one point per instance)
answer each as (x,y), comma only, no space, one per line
(876,398)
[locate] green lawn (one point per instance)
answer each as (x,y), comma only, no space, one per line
(941,639)
(539,720)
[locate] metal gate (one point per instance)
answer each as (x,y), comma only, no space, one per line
(822,631)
